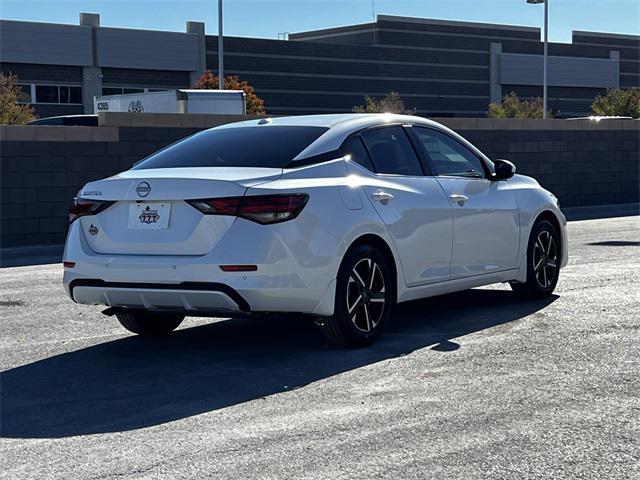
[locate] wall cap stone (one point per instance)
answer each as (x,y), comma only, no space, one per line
(110,123)
(191,120)
(536,124)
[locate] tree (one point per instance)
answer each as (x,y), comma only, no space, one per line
(11,112)
(513,107)
(255,105)
(618,102)
(391,103)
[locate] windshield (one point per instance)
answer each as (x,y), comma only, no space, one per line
(269,147)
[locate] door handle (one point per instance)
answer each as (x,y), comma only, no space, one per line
(381,196)
(459,198)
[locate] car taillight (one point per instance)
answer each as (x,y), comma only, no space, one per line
(263,209)
(82,206)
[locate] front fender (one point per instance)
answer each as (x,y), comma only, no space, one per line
(533,201)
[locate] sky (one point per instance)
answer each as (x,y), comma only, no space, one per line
(267,18)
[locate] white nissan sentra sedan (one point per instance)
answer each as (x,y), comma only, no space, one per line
(338,217)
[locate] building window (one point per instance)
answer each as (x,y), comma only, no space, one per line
(122,90)
(70,94)
(24,95)
(60,94)
(111,91)
(47,94)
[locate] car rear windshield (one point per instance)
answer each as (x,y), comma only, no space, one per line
(260,146)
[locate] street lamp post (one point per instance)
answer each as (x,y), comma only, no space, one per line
(546,53)
(220,49)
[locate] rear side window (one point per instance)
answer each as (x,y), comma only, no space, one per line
(355,149)
(260,146)
(391,151)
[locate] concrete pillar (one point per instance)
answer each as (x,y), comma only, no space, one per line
(615,55)
(91,87)
(91,74)
(197,28)
(495,94)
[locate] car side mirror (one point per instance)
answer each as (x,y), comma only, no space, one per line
(504,169)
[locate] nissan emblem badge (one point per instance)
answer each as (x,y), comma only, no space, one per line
(143,189)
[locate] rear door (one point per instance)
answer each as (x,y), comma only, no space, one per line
(411,204)
(485,215)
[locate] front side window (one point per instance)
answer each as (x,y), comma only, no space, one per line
(448,156)
(392,152)
(259,146)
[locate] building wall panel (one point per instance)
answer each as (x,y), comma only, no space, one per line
(153,50)
(45,43)
(39,73)
(145,78)
(563,71)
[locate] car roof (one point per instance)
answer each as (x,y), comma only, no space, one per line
(339,126)
(331,120)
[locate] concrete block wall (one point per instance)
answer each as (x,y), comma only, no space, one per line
(39,178)
(582,163)
(43,167)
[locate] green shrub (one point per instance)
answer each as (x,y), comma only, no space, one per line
(618,102)
(11,112)
(391,103)
(513,107)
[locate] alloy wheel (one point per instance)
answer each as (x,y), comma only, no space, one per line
(366,295)
(545,259)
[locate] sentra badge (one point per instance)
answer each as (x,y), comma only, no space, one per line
(143,189)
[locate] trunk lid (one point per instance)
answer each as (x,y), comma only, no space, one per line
(150,215)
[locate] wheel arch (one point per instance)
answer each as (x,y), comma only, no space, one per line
(554,220)
(378,242)
(545,213)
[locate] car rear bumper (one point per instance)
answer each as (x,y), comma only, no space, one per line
(188,296)
(282,281)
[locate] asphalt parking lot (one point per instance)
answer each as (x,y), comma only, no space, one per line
(470,385)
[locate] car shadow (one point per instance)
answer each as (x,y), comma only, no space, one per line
(137,382)
(615,243)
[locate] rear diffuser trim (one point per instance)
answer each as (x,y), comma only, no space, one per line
(188,286)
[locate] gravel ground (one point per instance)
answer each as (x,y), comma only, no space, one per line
(471,385)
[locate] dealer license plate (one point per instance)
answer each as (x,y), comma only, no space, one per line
(149,215)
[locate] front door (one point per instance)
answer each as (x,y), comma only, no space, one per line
(485,215)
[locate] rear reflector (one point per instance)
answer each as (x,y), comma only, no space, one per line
(238,268)
(66,264)
(264,209)
(82,206)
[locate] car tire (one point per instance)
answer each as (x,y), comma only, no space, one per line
(544,255)
(365,294)
(149,323)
